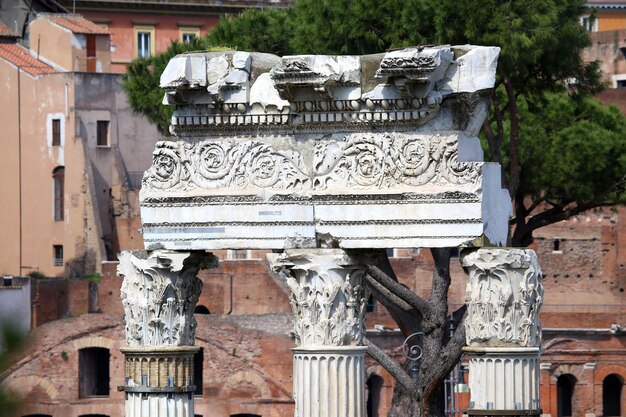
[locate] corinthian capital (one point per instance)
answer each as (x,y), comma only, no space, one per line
(328,297)
(159,293)
(503,297)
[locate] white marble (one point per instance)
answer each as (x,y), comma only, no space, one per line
(382,149)
(159,293)
(503,296)
(504,378)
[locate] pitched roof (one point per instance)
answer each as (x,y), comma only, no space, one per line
(5,32)
(76,23)
(19,56)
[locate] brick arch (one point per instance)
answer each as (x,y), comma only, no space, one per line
(21,386)
(246,377)
(607,370)
(565,369)
(91,342)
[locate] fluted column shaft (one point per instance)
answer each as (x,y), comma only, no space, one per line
(503,297)
(159,293)
(328,299)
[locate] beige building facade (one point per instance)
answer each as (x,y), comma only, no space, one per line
(70,139)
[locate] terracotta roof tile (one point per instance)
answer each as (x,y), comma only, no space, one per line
(77,24)
(6,32)
(19,56)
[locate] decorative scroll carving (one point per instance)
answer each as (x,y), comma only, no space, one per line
(327,297)
(383,161)
(224,164)
(358,161)
(503,296)
(159,293)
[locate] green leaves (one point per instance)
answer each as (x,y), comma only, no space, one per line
(574,150)
(141,83)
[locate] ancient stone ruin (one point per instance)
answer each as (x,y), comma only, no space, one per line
(327,158)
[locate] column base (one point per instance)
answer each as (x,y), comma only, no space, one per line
(503,381)
(329,381)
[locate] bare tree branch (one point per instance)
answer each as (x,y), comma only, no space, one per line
(400,291)
(393,367)
(386,297)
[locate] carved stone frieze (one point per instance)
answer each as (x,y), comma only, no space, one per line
(357,161)
(159,294)
(328,297)
(368,151)
(503,297)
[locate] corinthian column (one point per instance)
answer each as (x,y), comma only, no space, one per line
(159,293)
(328,299)
(503,297)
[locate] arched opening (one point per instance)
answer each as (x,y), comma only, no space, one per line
(58,179)
(612,396)
(374,388)
(564,394)
(201,310)
(93,369)
(198,360)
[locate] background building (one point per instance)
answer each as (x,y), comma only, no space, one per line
(69,141)
(148,28)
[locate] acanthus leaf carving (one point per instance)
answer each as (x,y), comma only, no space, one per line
(159,293)
(358,161)
(328,298)
(503,296)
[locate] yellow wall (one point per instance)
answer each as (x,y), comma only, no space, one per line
(52,43)
(611,21)
(9,206)
(43,99)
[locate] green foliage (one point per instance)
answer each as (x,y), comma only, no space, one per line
(574,150)
(10,343)
(260,30)
(36,275)
(141,83)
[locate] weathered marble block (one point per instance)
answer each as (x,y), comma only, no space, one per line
(312,151)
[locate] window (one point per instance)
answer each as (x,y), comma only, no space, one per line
(201,310)
(589,23)
(91,53)
(564,394)
(374,387)
(371,304)
(57,255)
(93,369)
(556,246)
(56,132)
(102,133)
(198,359)
(188,34)
(58,179)
(611,396)
(238,254)
(144,41)
(620,84)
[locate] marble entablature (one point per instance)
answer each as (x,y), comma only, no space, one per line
(310,151)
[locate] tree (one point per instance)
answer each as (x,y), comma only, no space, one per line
(543,128)
(141,83)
